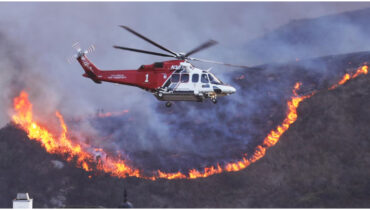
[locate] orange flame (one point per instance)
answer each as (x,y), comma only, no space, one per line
(85,159)
(347,76)
(62,144)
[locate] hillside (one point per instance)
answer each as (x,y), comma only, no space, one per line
(307,38)
(321,161)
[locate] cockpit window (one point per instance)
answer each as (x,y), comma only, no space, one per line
(214,79)
(204,78)
(175,78)
(184,78)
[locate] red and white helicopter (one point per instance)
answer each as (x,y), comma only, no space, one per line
(174,80)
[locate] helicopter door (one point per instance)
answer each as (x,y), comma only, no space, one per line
(204,83)
(196,83)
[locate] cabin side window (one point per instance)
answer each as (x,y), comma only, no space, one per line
(158,65)
(175,78)
(195,78)
(184,78)
(204,78)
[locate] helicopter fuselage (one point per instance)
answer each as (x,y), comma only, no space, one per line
(174,80)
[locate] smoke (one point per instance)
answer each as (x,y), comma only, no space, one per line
(17,74)
(307,38)
(189,134)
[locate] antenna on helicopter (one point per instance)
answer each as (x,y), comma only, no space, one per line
(180,56)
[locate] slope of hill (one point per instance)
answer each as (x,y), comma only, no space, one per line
(321,161)
(334,34)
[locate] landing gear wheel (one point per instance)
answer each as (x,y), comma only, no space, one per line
(168,104)
(214,100)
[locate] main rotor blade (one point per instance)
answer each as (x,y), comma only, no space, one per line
(205,45)
(143,51)
(216,62)
(148,40)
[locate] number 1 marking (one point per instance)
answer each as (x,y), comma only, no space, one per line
(146,78)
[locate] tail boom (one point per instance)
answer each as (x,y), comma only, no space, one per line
(91,71)
(126,77)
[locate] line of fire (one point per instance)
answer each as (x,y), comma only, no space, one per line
(85,156)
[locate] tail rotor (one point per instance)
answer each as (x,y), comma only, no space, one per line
(80,52)
(76,46)
(70,59)
(90,49)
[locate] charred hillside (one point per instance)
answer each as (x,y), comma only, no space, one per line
(321,161)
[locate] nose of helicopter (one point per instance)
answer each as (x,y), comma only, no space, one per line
(232,90)
(229,90)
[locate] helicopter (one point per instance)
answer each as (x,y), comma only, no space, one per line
(173,80)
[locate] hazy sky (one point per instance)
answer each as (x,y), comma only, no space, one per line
(178,26)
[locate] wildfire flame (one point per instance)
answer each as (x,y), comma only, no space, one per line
(347,76)
(62,144)
(85,155)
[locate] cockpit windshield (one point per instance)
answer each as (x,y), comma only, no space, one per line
(214,80)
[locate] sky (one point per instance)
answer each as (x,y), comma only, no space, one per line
(54,27)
